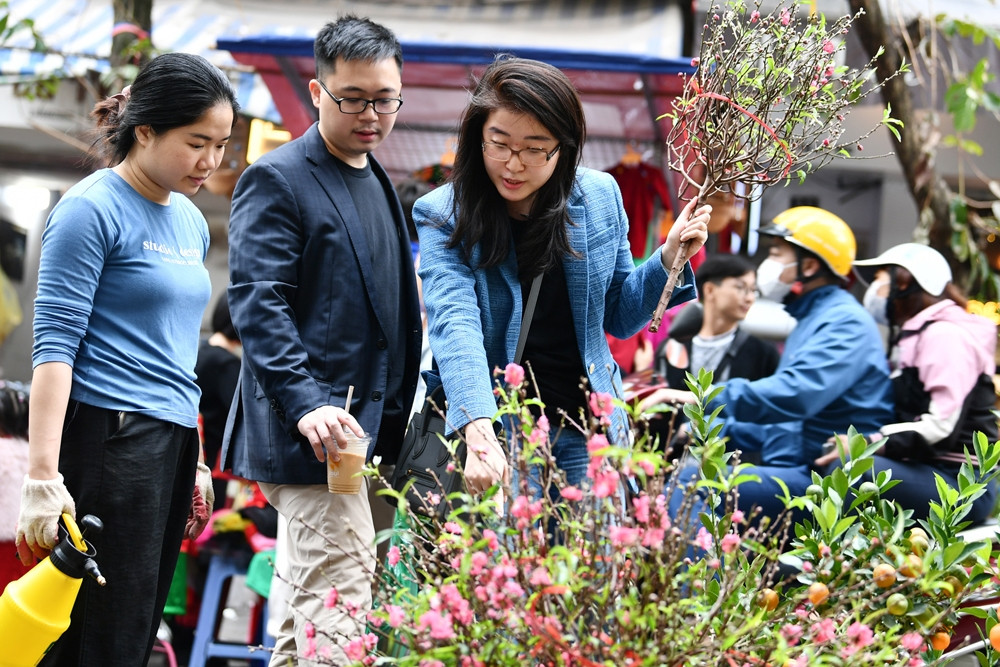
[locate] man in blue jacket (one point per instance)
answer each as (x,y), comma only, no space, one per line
(323,294)
(833,372)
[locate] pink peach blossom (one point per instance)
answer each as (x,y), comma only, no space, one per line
(791,633)
(513,374)
(597,442)
(912,641)
(331,598)
(571,493)
(703,539)
(540,577)
(859,636)
(601,404)
(355,649)
(641,504)
(623,536)
(396,615)
(823,631)
(606,483)
(439,624)
(478,561)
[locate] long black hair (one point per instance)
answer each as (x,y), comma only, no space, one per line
(172,90)
(545,93)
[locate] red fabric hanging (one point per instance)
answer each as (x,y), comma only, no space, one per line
(641,184)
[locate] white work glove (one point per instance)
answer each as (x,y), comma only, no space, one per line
(42,503)
(202,500)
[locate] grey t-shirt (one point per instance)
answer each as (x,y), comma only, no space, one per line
(708,353)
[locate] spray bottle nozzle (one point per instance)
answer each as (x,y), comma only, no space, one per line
(74,555)
(90,567)
(92,525)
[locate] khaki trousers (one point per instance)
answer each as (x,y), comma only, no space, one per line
(331,544)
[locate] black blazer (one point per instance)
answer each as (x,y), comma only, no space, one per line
(302,297)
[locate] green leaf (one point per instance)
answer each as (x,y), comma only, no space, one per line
(962,106)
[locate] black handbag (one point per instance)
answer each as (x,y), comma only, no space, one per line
(423,455)
(423,458)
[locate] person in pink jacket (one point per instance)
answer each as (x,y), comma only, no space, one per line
(943,366)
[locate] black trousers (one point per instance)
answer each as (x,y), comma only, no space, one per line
(136,474)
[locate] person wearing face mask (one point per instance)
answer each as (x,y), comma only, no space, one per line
(942,379)
(833,371)
(876,296)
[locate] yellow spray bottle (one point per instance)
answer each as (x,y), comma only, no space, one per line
(35,609)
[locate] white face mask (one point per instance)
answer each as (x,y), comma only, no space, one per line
(875,304)
(769,280)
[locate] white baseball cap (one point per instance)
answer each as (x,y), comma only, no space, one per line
(928,266)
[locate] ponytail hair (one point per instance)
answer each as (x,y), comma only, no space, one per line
(172,90)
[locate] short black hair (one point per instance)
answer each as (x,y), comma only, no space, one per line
(717,268)
(14,409)
(409,191)
(222,321)
(354,39)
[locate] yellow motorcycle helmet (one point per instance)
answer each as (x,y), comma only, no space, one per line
(818,231)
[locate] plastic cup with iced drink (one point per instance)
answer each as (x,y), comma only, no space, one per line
(345,476)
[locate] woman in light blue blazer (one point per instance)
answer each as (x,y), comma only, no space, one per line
(518,205)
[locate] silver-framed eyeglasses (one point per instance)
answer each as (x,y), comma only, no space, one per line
(529,157)
(356,105)
(745,290)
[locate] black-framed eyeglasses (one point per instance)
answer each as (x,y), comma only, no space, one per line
(529,157)
(356,105)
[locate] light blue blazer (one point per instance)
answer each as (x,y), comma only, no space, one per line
(474,315)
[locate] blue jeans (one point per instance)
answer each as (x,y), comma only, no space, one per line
(917,487)
(136,474)
(762,494)
(569,449)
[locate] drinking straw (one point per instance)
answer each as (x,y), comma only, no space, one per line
(350,394)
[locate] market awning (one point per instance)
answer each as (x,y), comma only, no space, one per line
(78,32)
(624,94)
(624,55)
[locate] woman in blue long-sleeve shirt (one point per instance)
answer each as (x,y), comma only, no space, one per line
(114,405)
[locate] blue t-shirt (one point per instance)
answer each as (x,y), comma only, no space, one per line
(122,287)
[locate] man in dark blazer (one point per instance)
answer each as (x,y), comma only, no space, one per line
(323,294)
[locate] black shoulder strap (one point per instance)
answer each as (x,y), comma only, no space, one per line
(529,312)
(739,338)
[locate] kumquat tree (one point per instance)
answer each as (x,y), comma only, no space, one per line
(605,574)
